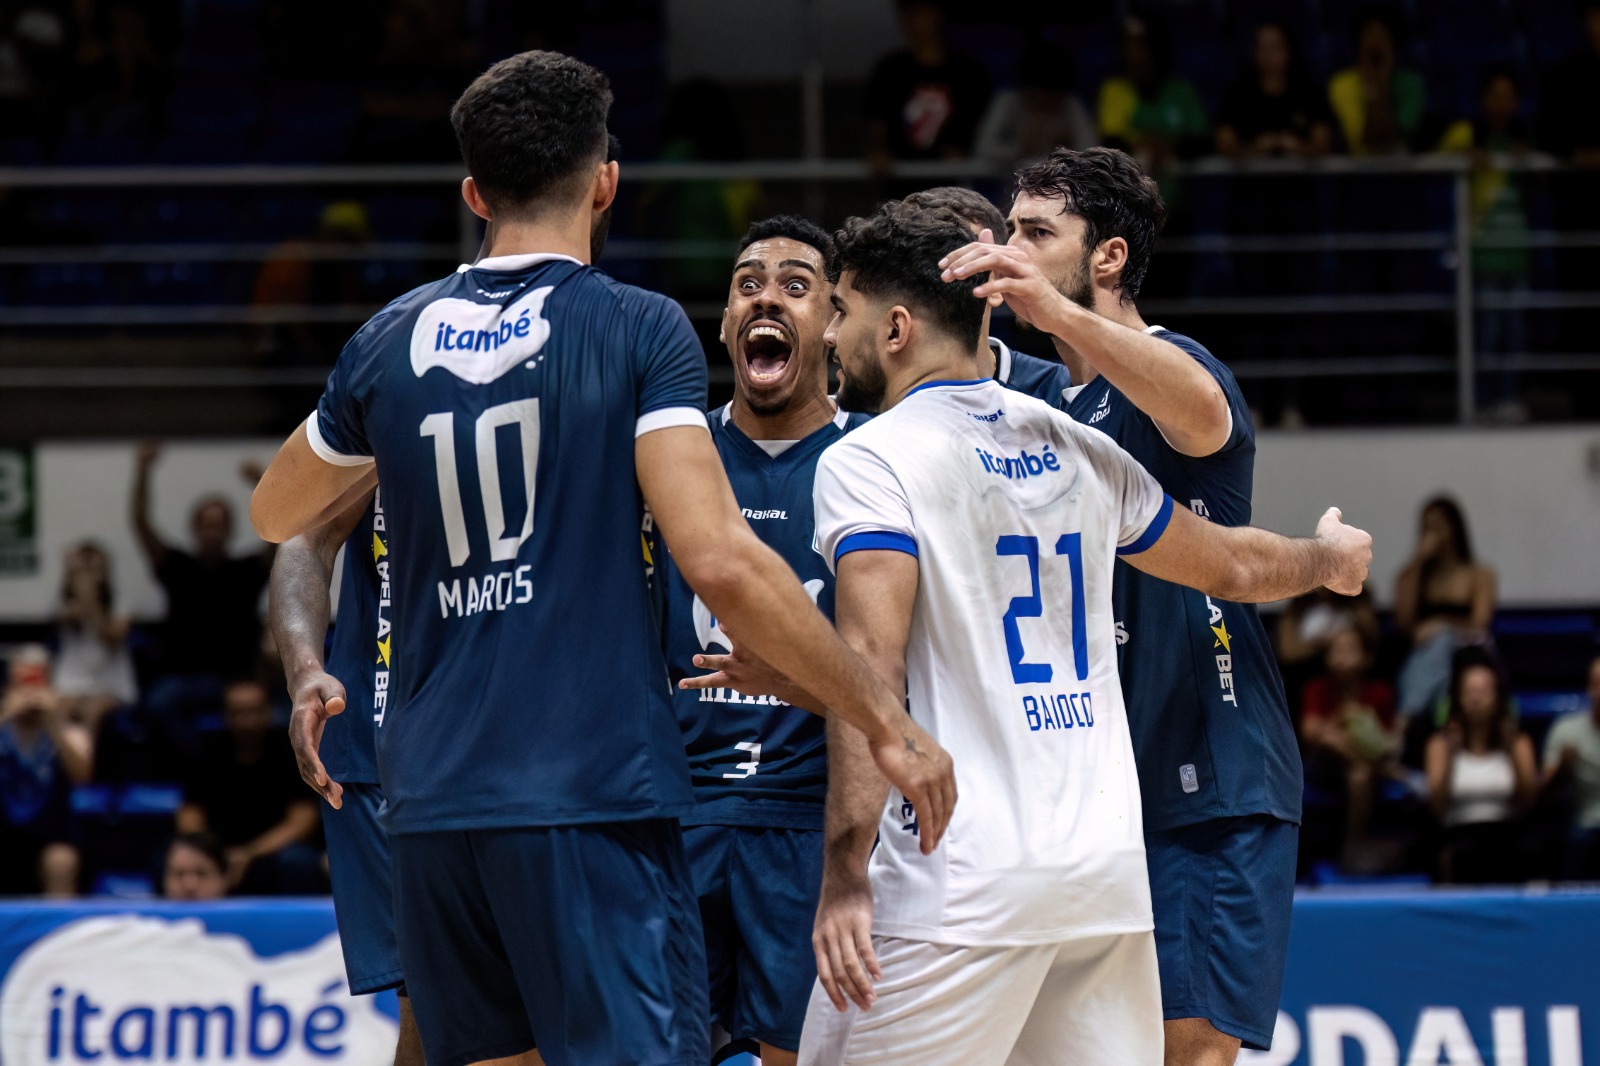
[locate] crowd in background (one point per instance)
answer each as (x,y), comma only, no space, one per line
(153,760)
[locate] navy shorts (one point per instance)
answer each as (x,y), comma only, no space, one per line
(582,939)
(758,901)
(1223,893)
(363,889)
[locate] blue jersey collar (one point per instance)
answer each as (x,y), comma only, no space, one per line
(947,384)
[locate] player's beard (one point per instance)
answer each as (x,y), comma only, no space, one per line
(1075,287)
(864,386)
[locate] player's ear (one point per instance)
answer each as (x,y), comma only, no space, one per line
(897,329)
(474,198)
(1109,259)
(605,185)
(722,328)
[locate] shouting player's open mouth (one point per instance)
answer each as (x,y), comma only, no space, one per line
(766,346)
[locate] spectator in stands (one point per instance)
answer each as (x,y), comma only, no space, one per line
(1481,778)
(1378,103)
(1042,113)
(420,68)
(1349,727)
(1276,109)
(1501,256)
(32,39)
(701,126)
(924,101)
(1444,599)
(93,666)
(1572,756)
(213,628)
(245,788)
(298,274)
(120,74)
(1308,626)
(1148,110)
(195,868)
(43,753)
(1569,123)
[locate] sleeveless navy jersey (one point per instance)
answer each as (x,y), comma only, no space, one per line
(1043,379)
(527,684)
(360,650)
(1211,728)
(755,761)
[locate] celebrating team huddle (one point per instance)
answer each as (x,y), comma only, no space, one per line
(592,810)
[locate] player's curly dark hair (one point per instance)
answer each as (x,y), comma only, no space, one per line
(896,252)
(530,128)
(970,206)
(1113,196)
(795,228)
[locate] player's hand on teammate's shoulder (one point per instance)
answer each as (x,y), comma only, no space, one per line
(1351,551)
(317,697)
(842,938)
(923,772)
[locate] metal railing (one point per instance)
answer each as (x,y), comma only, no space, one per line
(1454,245)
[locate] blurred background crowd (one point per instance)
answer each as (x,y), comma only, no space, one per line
(1326,163)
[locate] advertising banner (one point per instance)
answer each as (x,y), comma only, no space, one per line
(1375,979)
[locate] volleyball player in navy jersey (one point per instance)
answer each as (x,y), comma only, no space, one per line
(520,414)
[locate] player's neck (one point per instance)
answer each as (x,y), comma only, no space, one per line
(801,418)
(949,365)
(1106,305)
(568,237)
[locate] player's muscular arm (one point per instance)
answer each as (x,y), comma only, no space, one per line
(1248,565)
(874,598)
(301,491)
(752,588)
(298,609)
(1158,378)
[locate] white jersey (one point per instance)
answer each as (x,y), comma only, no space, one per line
(1016,515)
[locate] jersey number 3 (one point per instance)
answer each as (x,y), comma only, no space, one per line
(524,414)
(1032,606)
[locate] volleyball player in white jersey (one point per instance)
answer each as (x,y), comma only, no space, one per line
(973,532)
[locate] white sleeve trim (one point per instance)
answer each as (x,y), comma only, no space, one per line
(1174,447)
(667,418)
(325,452)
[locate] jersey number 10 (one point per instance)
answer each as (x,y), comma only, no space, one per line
(524,414)
(1032,606)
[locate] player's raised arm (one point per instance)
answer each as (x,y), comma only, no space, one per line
(748,584)
(874,596)
(298,609)
(303,489)
(1249,565)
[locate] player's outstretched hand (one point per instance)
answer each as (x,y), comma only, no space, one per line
(1351,551)
(842,939)
(915,764)
(1013,277)
(317,698)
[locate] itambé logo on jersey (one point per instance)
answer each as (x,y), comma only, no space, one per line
(479,342)
(1025,465)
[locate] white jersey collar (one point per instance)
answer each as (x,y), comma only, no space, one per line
(515,262)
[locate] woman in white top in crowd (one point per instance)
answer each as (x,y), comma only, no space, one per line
(93,667)
(1481,777)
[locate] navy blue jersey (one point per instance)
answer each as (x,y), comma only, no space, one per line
(359,653)
(1211,728)
(527,684)
(755,761)
(1043,379)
